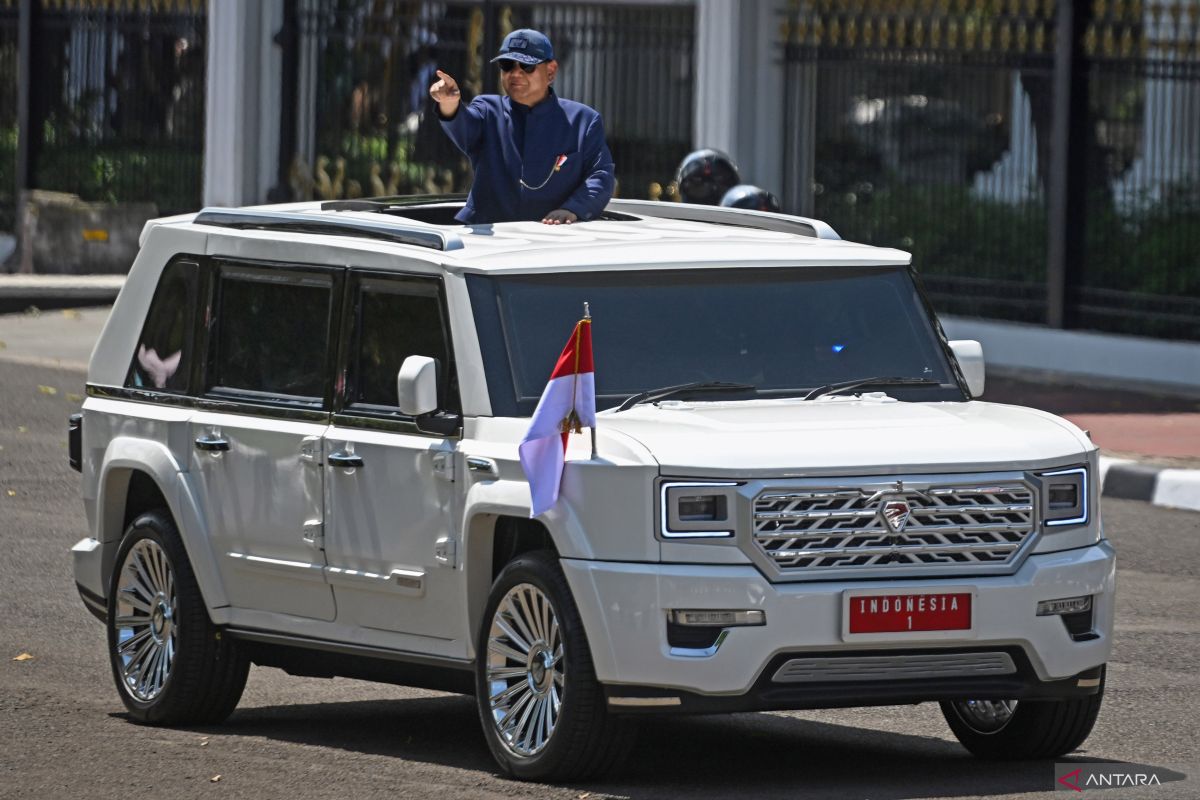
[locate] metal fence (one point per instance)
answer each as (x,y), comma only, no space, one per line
(365,125)
(115,100)
(931,127)
(9,17)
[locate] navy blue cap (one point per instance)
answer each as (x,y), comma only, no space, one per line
(527,46)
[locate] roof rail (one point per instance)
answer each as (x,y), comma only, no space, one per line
(389,230)
(721,215)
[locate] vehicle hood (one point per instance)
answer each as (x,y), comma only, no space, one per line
(845,435)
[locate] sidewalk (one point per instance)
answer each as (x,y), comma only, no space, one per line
(1149,442)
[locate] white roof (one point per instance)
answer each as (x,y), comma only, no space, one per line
(508,247)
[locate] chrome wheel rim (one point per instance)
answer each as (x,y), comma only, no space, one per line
(986,716)
(145,623)
(524,670)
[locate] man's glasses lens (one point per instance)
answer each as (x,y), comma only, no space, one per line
(507,64)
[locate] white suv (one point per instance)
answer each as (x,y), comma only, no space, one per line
(810,512)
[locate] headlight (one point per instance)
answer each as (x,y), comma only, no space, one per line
(1065,497)
(697,510)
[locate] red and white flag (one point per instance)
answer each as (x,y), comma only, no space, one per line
(568,405)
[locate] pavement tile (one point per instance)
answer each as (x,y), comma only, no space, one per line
(1165,435)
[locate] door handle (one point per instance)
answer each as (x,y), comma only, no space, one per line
(344,460)
(212,444)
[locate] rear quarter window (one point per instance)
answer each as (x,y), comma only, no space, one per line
(163,356)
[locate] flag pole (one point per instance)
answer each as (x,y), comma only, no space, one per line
(587,314)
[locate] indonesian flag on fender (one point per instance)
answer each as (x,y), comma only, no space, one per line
(568,405)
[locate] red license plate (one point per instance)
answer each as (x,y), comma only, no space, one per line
(899,613)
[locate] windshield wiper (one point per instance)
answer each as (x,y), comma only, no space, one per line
(833,388)
(666,391)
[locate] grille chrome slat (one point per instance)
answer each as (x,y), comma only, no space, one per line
(889,550)
(822,533)
(815,515)
(907,667)
(1003,508)
(947,526)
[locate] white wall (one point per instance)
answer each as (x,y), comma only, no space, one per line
(1132,361)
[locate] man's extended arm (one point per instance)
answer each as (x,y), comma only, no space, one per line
(593,194)
(464,129)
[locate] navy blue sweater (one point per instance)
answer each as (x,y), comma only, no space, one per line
(509,143)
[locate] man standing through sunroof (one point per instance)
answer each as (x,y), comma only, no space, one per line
(535,155)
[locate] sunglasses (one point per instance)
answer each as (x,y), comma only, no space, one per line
(507,64)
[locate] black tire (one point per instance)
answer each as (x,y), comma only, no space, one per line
(586,741)
(1037,729)
(207,671)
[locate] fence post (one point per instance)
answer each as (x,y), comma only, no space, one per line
(1067,169)
(491,43)
(26,147)
(288,40)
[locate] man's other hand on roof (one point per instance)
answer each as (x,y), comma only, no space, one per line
(559,217)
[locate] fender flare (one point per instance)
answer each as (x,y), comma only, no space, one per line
(125,455)
(487,500)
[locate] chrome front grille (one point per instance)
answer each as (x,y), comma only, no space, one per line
(960,527)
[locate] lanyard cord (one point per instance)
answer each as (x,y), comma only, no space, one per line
(558,162)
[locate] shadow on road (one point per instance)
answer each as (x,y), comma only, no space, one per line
(759,755)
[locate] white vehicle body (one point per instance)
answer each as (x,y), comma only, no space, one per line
(320,531)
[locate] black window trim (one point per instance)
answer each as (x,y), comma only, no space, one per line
(371,416)
(221,398)
(205,404)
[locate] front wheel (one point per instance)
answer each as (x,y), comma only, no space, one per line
(543,712)
(170,664)
(1023,729)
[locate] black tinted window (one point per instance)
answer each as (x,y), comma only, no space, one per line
(272,334)
(397,320)
(163,356)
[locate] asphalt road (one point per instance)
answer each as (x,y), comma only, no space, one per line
(63,733)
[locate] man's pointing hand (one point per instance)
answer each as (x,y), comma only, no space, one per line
(445,93)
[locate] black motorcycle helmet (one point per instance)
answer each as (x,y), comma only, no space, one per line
(745,195)
(704,176)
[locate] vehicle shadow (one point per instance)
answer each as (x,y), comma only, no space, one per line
(764,755)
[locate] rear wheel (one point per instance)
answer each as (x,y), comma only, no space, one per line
(543,712)
(171,665)
(1023,729)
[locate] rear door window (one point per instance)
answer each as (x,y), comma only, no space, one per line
(271,336)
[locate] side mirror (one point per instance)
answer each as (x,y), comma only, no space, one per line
(416,386)
(970,360)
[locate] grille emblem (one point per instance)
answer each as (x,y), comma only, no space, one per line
(895,514)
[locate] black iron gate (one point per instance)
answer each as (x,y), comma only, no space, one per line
(363,68)
(112,101)
(1039,158)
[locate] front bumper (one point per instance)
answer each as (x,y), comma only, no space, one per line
(624,607)
(88,557)
(768,694)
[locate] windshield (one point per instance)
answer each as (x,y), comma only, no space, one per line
(785,331)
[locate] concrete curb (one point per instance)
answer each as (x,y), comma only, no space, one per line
(18,292)
(1160,486)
